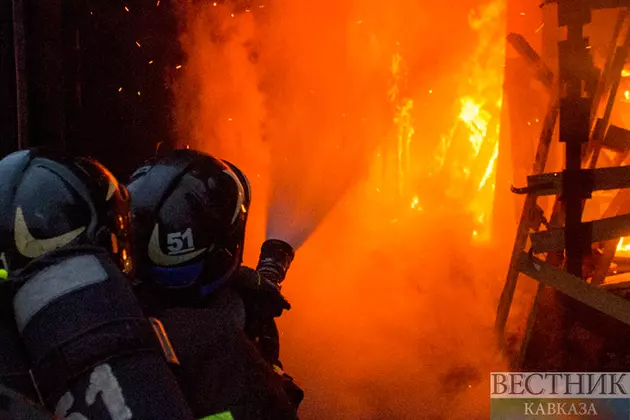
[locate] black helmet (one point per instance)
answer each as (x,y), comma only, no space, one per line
(189,213)
(49,200)
(247,189)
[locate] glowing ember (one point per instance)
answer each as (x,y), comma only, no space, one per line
(623,247)
(415,203)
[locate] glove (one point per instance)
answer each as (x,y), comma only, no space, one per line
(259,294)
(293,391)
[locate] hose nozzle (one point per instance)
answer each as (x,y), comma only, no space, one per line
(275,259)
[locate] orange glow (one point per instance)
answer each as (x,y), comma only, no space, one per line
(623,247)
(370,135)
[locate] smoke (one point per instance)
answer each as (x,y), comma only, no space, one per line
(393,306)
(219,106)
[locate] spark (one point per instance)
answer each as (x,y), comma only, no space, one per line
(120,89)
(214,4)
(157,4)
(625,73)
(430,91)
(127,9)
(232,14)
(542,25)
(179,66)
(522,13)
(626,94)
(229,119)
(138,44)
(150,61)
(138,93)
(92,13)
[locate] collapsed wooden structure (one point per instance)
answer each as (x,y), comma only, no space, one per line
(553,250)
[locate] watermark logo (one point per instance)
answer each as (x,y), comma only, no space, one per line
(550,395)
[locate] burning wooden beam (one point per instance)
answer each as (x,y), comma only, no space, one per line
(602,179)
(600,230)
(541,71)
(574,287)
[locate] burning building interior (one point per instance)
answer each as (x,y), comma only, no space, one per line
(414,154)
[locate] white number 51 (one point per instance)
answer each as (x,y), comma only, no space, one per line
(102,381)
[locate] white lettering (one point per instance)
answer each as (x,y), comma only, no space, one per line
(64,405)
(179,242)
(560,409)
(103,382)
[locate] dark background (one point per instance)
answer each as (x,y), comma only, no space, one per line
(72,59)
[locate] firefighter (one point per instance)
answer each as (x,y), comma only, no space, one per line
(74,335)
(189,213)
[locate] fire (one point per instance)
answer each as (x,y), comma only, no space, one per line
(307,101)
(623,246)
(402,120)
(466,154)
(476,120)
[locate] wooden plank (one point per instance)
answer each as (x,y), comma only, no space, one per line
(617,139)
(601,230)
(591,150)
(517,364)
(574,287)
(525,223)
(612,178)
(541,71)
(619,204)
(603,84)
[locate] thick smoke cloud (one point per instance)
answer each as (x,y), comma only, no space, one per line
(393,307)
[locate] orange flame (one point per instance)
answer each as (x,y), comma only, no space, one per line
(469,150)
(309,111)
